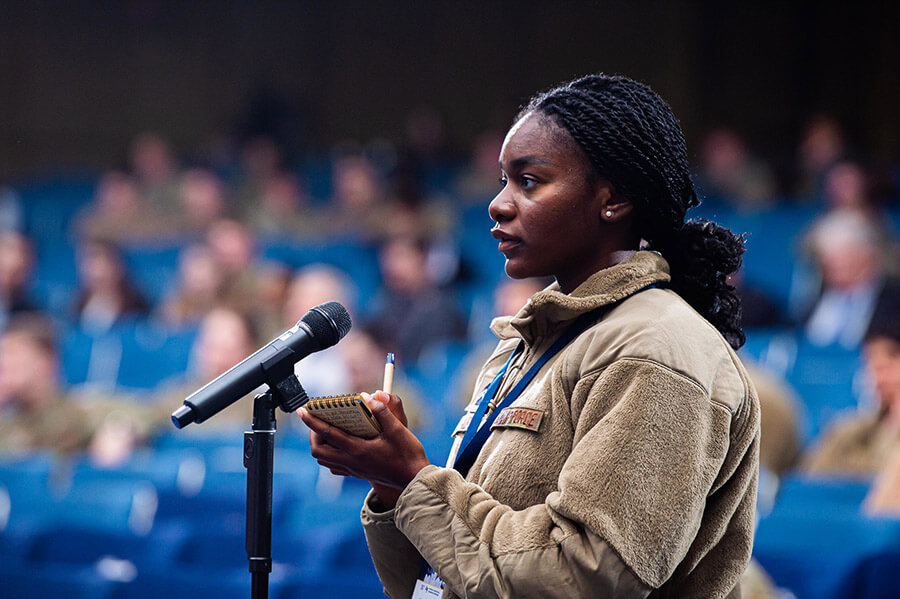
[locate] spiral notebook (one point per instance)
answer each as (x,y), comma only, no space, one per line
(347,412)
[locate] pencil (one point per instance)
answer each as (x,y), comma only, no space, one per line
(388,374)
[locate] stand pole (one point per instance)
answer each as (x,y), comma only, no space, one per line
(259,446)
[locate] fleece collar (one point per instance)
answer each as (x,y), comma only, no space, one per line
(547,309)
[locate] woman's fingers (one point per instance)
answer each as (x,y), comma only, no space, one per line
(330,435)
(392,458)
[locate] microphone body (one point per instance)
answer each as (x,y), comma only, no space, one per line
(320,328)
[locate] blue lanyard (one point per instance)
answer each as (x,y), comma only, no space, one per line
(476,436)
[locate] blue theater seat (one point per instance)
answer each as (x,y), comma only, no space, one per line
(817,543)
(49,581)
(829,381)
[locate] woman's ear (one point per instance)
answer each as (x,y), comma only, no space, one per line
(613,205)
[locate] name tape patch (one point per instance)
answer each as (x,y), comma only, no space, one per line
(463,425)
(525,418)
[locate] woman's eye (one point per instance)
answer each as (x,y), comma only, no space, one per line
(527,182)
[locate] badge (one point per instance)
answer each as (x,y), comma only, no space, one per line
(524,418)
(429,585)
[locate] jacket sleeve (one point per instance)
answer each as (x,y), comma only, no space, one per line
(396,561)
(648,449)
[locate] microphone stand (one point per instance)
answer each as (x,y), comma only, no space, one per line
(259,446)
(259,458)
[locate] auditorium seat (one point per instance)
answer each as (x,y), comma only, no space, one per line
(817,543)
(153,266)
(829,381)
(181,581)
(47,581)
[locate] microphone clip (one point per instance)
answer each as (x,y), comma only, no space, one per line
(287,392)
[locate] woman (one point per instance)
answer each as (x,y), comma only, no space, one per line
(627,465)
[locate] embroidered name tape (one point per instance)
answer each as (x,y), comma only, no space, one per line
(463,424)
(519,418)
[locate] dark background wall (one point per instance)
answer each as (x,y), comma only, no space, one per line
(79,79)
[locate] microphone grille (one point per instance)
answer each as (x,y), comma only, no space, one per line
(329,322)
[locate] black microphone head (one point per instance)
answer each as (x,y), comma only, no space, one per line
(328,322)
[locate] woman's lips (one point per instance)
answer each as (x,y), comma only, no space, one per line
(507,245)
(507,242)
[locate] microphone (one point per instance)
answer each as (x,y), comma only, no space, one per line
(320,328)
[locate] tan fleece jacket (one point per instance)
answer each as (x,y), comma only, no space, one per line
(639,482)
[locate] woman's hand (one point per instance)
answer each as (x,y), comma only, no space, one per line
(389,461)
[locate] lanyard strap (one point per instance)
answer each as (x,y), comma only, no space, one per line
(476,436)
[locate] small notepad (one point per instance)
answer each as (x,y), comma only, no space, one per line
(347,412)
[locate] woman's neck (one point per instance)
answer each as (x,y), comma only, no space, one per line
(610,259)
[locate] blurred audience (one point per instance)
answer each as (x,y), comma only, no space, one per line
(261,161)
(282,209)
(16,265)
(233,245)
(410,312)
(119,212)
(155,169)
(861,445)
(106,296)
(225,337)
(478,183)
(729,173)
(199,287)
(848,251)
(509,297)
(758,310)
(822,145)
(11,214)
(779,444)
(357,207)
(326,372)
(846,186)
(201,201)
(34,413)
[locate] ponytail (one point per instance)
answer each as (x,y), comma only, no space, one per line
(701,255)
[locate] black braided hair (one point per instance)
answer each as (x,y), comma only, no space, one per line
(633,140)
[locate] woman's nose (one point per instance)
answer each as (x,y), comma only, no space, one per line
(501,208)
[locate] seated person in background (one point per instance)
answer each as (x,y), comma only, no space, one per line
(779,444)
(118,211)
(846,246)
(325,372)
(862,444)
(729,172)
(757,308)
(201,201)
(410,311)
(200,281)
(226,336)
(155,169)
(106,295)
(12,216)
(234,246)
(510,296)
(16,261)
(34,414)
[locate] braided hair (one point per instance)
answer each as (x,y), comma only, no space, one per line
(633,140)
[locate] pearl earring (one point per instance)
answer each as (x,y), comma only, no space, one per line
(609,214)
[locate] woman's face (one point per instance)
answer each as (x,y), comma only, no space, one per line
(549,211)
